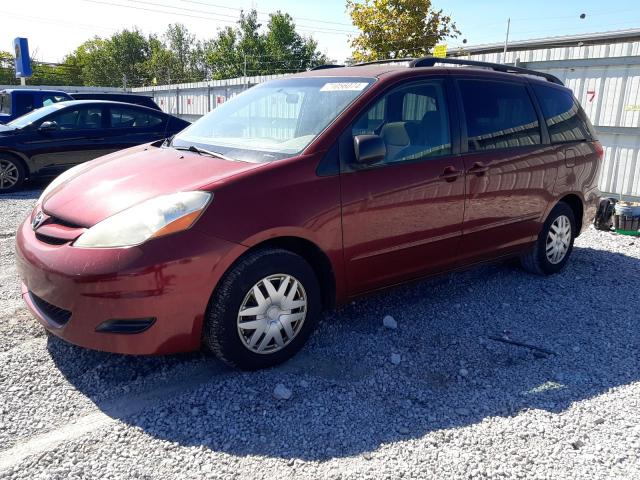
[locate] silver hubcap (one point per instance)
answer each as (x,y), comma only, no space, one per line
(8,174)
(558,239)
(272,313)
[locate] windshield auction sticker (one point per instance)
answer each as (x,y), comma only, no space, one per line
(343,86)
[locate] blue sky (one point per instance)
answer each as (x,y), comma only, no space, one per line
(55,28)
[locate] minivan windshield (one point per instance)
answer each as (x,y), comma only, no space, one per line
(35,115)
(274,120)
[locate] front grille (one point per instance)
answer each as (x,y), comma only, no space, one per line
(58,315)
(51,240)
(61,221)
(56,231)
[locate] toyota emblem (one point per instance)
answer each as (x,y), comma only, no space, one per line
(37,220)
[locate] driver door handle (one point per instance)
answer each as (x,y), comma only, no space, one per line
(478,169)
(450,173)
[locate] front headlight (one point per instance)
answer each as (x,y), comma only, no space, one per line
(152,218)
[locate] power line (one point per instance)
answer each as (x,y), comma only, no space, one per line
(209,15)
(266,13)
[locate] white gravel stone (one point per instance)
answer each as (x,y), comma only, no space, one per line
(396,358)
(280,392)
(390,322)
(72,413)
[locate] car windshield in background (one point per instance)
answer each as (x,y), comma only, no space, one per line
(34,116)
(275,120)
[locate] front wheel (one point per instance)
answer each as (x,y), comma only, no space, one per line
(12,174)
(264,310)
(554,245)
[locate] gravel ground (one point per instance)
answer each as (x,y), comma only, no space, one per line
(432,398)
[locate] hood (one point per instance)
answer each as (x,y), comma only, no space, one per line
(5,128)
(113,183)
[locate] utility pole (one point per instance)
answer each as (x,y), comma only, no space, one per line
(506,41)
(244,71)
(124,81)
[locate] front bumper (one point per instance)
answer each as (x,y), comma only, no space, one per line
(169,279)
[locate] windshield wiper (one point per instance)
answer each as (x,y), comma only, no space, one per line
(203,151)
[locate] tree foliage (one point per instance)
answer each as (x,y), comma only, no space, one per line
(397,28)
(235,52)
(130,58)
(7,72)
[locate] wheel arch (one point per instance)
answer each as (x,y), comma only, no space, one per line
(20,158)
(313,254)
(577,206)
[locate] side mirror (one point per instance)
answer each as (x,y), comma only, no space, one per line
(369,149)
(48,126)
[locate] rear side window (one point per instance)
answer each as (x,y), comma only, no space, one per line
(133,118)
(498,115)
(565,120)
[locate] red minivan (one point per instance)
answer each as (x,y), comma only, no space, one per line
(302,193)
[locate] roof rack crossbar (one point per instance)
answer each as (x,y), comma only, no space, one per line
(324,67)
(386,60)
(431,61)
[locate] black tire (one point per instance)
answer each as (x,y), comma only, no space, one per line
(535,260)
(17,167)
(220,331)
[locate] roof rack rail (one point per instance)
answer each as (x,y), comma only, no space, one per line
(431,61)
(388,60)
(325,66)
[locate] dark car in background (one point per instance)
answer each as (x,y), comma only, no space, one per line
(141,100)
(51,139)
(15,102)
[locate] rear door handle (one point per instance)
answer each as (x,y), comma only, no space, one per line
(478,169)
(450,173)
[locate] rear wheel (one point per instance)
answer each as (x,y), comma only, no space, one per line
(12,174)
(554,245)
(263,310)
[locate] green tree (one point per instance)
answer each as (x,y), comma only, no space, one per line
(286,49)
(279,49)
(7,69)
(128,52)
(222,55)
(161,63)
(397,28)
(112,62)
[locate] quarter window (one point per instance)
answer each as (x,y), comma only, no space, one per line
(413,121)
(565,120)
(498,115)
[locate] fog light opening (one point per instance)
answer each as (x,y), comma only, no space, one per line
(126,325)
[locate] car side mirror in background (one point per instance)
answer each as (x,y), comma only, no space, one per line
(48,126)
(369,149)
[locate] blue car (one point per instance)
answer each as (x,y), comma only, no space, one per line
(16,102)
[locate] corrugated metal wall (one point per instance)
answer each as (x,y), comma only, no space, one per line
(192,100)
